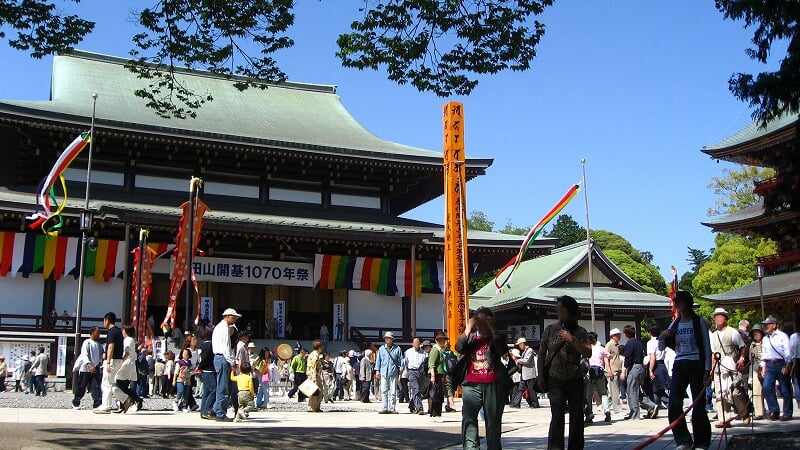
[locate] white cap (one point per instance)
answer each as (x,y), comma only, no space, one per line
(230,312)
(388,334)
(515,353)
(721,311)
(251,345)
(522,340)
(614,331)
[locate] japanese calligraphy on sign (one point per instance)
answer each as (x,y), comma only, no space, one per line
(455,261)
(244,271)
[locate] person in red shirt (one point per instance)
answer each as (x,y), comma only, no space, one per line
(486,382)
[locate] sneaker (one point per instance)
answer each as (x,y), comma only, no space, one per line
(76,407)
(102,410)
(175,407)
(207,416)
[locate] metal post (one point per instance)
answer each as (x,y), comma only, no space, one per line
(588,243)
(760,274)
(86,215)
(413,290)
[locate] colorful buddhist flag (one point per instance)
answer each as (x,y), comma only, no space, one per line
(380,275)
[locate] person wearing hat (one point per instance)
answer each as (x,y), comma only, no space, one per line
(224,360)
(615,363)
(756,336)
(776,359)
(388,365)
(526,363)
(728,369)
(692,367)
(414,358)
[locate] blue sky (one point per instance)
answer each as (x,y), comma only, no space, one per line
(636,88)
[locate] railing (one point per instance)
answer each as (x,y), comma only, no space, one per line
(764,187)
(370,335)
(774,262)
(46,323)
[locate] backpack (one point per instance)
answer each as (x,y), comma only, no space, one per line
(450,361)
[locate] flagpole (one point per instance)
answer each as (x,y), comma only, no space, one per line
(190,256)
(86,218)
(142,248)
(588,243)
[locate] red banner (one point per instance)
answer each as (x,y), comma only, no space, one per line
(180,255)
(139,306)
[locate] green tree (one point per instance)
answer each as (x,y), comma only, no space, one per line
(510,228)
(567,230)
(697,258)
(480,280)
(478,220)
(436,46)
(732,265)
(644,274)
(734,190)
(770,93)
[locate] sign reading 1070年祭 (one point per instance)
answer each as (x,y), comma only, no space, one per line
(246,271)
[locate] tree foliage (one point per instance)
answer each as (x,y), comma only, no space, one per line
(567,230)
(630,260)
(770,93)
(510,228)
(734,189)
(436,46)
(478,220)
(697,257)
(732,265)
(480,280)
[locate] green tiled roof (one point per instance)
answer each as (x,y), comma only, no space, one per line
(295,116)
(752,132)
(779,285)
(541,280)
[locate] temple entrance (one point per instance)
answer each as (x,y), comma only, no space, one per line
(307,310)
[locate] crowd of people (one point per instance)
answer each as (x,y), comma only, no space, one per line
(734,374)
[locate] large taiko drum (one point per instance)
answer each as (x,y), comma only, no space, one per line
(285,352)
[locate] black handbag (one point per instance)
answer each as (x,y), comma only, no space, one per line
(460,371)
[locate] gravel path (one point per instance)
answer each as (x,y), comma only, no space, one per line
(63,400)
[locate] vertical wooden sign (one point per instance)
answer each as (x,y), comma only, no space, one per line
(455,240)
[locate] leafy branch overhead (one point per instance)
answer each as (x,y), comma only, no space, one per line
(437,45)
(207,35)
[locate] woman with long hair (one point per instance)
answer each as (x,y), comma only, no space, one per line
(562,345)
(127,371)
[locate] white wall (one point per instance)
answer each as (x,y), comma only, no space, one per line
(368,309)
(21,295)
(98,298)
(430,311)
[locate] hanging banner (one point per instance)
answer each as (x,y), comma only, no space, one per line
(338,314)
(279,313)
(247,271)
(61,356)
(159,348)
(455,232)
(206,309)
(180,255)
(139,305)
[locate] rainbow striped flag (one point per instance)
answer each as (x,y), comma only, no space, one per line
(28,253)
(380,275)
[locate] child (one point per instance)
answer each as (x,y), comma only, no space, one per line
(182,381)
(244,382)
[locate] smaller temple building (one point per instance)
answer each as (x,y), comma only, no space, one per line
(776,216)
(527,306)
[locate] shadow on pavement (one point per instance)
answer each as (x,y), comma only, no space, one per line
(240,436)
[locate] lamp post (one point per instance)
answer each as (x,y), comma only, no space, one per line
(86,218)
(760,275)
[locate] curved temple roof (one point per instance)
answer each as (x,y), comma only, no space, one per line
(288,115)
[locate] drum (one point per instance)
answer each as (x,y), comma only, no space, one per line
(285,352)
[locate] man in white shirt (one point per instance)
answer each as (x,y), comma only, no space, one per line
(727,371)
(776,358)
(90,360)
(415,356)
(599,366)
(224,359)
